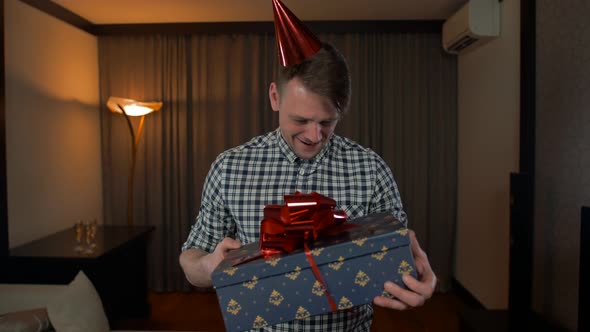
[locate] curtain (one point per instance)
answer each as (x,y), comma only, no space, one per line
(404,106)
(215,93)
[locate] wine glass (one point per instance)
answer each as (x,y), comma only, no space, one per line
(93,227)
(88,239)
(78,230)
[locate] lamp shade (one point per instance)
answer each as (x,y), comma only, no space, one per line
(295,42)
(132,107)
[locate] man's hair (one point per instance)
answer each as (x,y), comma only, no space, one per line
(325,73)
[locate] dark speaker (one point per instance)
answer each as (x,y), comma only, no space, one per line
(521,245)
(583,289)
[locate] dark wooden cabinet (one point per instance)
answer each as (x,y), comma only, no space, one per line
(117,266)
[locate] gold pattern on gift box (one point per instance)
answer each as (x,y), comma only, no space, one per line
(295,274)
(379,255)
(360,242)
(233,307)
(316,252)
(230,271)
(404,268)
(275,298)
(273,261)
(302,313)
(344,303)
(402,232)
(318,289)
(251,284)
(337,265)
(259,323)
(361,279)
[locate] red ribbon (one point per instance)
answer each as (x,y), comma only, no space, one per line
(301,220)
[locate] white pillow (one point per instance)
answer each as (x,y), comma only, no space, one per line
(78,308)
(33,320)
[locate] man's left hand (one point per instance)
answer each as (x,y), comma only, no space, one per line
(419,290)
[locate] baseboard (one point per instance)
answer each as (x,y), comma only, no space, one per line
(465,295)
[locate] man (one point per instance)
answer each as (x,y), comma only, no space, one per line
(304,155)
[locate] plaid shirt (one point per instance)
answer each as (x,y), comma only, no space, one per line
(244,179)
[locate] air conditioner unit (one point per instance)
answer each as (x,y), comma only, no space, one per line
(476,23)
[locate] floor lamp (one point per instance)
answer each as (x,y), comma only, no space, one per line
(130,107)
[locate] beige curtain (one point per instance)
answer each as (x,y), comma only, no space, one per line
(214,88)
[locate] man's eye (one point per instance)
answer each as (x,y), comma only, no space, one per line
(326,123)
(301,121)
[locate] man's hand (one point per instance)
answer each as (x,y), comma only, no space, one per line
(211,261)
(420,289)
(198,265)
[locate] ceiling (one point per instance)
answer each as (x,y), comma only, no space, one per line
(174,11)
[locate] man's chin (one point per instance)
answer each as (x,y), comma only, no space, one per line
(307,154)
(305,151)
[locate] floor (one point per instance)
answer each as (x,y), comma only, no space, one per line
(199,311)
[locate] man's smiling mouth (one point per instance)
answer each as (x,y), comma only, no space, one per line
(308,144)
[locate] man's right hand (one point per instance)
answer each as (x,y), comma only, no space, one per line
(198,264)
(214,259)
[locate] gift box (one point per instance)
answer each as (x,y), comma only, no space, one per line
(338,271)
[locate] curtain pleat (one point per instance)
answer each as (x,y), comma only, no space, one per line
(215,93)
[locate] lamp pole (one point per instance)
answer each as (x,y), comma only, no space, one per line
(134,143)
(129,108)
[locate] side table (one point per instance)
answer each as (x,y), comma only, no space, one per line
(117,266)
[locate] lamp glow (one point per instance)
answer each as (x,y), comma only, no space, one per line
(132,107)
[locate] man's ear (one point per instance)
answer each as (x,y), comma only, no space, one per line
(273,95)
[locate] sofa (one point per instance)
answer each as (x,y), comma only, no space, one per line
(62,308)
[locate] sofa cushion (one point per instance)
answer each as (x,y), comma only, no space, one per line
(78,308)
(33,320)
(20,297)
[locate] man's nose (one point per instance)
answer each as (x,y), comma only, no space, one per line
(314,132)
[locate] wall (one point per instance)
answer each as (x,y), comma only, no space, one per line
(52,124)
(562,154)
(488,136)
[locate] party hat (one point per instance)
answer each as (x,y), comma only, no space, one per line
(294,41)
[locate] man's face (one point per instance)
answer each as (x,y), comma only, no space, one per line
(307,120)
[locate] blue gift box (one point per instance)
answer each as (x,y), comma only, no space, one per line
(255,291)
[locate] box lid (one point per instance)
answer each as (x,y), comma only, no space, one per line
(379,232)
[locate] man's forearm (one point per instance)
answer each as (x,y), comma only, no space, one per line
(195,265)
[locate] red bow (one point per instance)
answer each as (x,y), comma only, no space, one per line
(303,217)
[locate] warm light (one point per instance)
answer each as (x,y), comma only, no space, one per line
(136,110)
(132,107)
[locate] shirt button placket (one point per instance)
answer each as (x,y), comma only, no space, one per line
(301,179)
